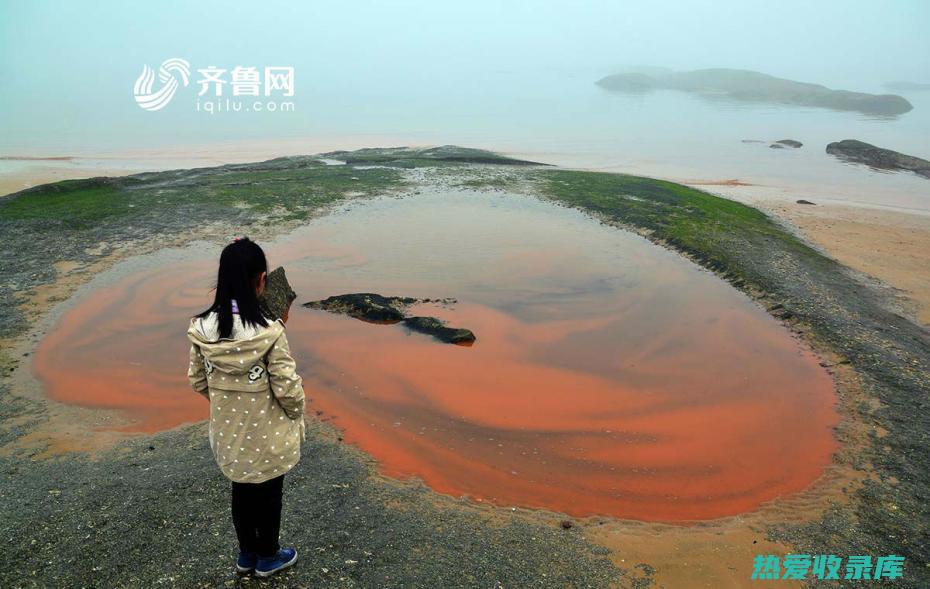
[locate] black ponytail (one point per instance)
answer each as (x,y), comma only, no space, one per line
(241,265)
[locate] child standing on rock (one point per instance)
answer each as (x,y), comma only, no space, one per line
(240,361)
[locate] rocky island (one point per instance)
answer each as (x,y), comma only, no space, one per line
(750,86)
(783,143)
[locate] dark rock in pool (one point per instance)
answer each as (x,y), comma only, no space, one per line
(437,329)
(804,202)
(375,308)
(789,143)
(750,86)
(366,306)
(777,146)
(879,158)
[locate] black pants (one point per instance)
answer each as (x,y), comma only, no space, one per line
(256,512)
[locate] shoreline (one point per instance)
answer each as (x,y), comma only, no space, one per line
(838,484)
(844,229)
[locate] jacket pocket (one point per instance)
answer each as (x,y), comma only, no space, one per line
(238,384)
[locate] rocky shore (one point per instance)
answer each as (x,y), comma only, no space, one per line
(859,152)
(152,511)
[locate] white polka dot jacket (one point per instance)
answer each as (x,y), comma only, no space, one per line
(256,397)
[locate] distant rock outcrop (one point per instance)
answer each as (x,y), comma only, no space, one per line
(414,156)
(375,308)
(750,86)
(789,143)
(879,158)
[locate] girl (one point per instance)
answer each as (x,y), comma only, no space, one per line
(241,363)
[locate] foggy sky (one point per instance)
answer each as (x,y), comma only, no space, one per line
(66,65)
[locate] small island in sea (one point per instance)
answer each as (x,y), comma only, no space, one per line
(750,86)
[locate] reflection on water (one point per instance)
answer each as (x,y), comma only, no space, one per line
(610,376)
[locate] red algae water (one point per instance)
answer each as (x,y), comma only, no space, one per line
(610,376)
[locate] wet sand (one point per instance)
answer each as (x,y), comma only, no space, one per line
(41,173)
(632,384)
(888,243)
(891,246)
(19,171)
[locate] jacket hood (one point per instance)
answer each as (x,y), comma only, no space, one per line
(235,355)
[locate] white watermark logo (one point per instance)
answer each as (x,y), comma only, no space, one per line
(166,75)
(221,89)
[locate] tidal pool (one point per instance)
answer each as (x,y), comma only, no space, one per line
(610,376)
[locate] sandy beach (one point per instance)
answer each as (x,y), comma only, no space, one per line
(888,244)
(891,246)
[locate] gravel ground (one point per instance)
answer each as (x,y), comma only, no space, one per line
(154,512)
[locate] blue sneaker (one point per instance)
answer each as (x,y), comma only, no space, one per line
(269,566)
(245,564)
